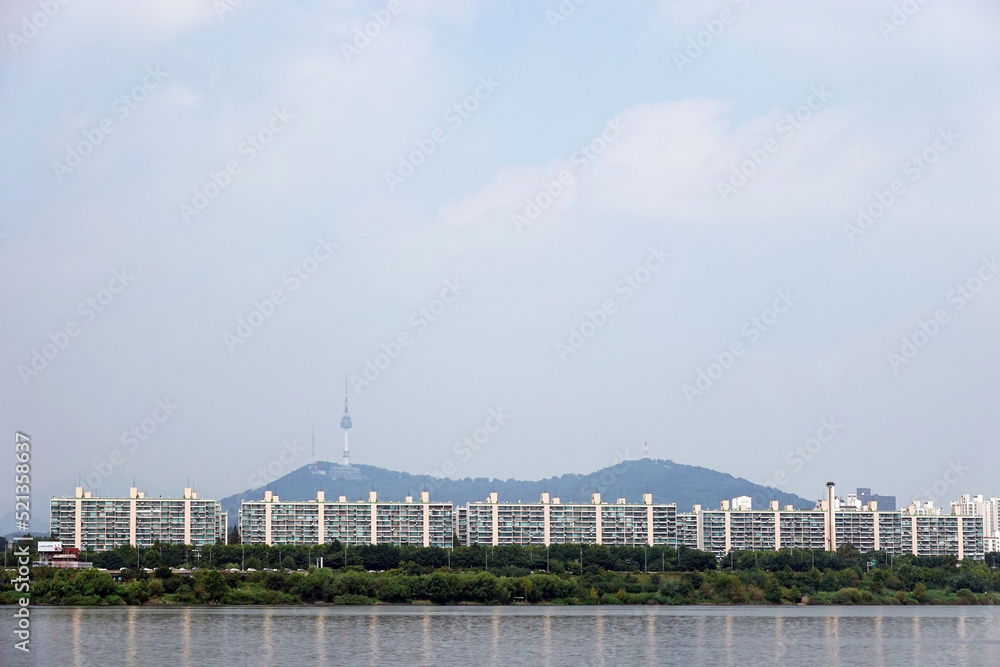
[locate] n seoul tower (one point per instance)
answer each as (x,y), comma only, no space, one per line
(345,423)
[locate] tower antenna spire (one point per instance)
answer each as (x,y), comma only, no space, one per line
(312,466)
(645,447)
(345,423)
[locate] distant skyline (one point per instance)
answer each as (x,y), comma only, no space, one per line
(761,236)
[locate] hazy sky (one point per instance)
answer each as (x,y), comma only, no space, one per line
(601,221)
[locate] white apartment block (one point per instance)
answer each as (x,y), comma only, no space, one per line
(832,524)
(273,521)
(989,510)
(550,522)
(100,524)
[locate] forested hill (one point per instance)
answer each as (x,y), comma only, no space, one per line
(669,482)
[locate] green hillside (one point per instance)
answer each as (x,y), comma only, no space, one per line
(669,482)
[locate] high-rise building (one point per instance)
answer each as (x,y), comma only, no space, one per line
(99,524)
(273,521)
(921,531)
(550,522)
(885,503)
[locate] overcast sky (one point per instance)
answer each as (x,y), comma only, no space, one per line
(602,222)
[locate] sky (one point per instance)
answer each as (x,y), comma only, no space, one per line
(760,235)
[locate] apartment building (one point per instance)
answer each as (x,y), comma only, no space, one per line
(100,524)
(549,521)
(273,521)
(868,529)
(989,510)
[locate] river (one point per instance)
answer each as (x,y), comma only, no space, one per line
(523,635)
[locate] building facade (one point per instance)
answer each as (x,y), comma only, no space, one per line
(550,522)
(868,529)
(273,521)
(100,524)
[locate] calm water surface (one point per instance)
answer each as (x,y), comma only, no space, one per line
(239,636)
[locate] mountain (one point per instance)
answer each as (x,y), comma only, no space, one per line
(669,482)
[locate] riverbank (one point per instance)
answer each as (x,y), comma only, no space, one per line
(905,584)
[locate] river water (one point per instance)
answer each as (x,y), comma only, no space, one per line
(576,636)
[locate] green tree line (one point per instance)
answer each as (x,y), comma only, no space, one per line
(504,575)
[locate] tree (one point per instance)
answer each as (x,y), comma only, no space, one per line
(234,536)
(289,563)
(849,553)
(151,558)
(95,582)
(214,584)
(253,563)
(110,560)
(772,591)
(920,591)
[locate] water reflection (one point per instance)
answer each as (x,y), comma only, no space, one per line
(832,640)
(728,640)
(186,635)
(425,641)
(779,640)
(576,636)
(320,639)
(498,657)
(877,627)
(599,635)
(651,640)
(131,645)
(373,640)
(547,651)
(77,622)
